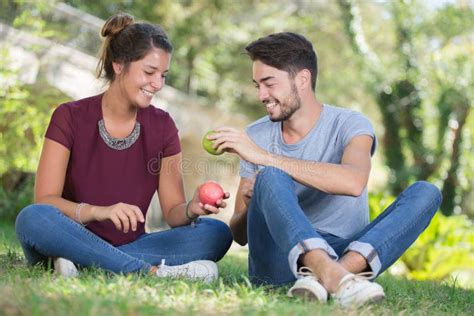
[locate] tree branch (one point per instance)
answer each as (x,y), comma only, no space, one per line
(353,27)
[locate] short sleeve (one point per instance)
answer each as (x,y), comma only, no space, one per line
(247,169)
(355,125)
(172,145)
(60,127)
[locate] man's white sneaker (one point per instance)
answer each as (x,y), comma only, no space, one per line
(356,289)
(65,268)
(308,286)
(204,270)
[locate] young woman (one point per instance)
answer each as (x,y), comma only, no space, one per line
(102,160)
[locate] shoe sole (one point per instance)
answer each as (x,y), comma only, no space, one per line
(305,294)
(376,298)
(212,272)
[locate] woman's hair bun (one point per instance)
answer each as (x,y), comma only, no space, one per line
(116,23)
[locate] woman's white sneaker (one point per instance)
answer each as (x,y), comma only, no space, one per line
(204,270)
(65,268)
(356,289)
(308,287)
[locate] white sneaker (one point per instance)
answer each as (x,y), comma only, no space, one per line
(355,290)
(308,286)
(204,270)
(65,268)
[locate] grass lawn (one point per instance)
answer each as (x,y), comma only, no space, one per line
(25,291)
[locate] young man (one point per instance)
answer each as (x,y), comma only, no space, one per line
(302,203)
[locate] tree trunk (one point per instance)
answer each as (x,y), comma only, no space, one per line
(451,187)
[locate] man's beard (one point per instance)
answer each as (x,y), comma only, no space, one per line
(294,103)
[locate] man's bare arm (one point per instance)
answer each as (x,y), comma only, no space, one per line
(238,222)
(348,178)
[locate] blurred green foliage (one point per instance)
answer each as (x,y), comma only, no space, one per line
(210,37)
(423,91)
(444,250)
(25,111)
(13,201)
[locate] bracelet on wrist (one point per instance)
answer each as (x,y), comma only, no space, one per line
(79,207)
(187,212)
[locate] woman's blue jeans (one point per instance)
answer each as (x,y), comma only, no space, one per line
(44,232)
(279,232)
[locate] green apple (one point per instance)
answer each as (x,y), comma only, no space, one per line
(207,145)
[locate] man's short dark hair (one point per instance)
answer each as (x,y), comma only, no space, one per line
(286,51)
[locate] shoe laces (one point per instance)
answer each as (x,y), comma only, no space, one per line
(162,264)
(305,272)
(363,276)
(165,270)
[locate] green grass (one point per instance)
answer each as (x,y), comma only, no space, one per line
(26,291)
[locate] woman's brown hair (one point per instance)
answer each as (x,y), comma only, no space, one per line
(127,41)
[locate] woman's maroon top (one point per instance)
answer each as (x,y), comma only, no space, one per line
(99,175)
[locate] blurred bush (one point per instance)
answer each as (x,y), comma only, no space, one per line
(12,202)
(24,116)
(444,250)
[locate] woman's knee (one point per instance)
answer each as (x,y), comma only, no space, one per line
(28,217)
(220,236)
(221,230)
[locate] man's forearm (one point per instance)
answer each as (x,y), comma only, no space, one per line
(330,178)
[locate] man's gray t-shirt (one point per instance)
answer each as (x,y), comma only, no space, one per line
(339,215)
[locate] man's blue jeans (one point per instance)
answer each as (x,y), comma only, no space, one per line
(45,232)
(279,232)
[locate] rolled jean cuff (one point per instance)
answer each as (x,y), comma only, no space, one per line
(306,246)
(369,253)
